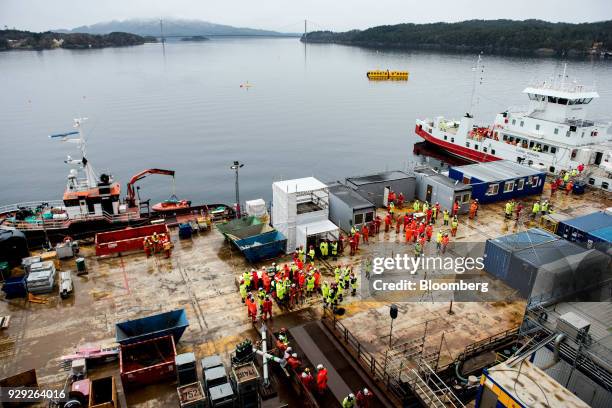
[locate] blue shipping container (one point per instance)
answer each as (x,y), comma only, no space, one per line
(577,229)
(15,287)
(150,327)
(263,246)
(498,251)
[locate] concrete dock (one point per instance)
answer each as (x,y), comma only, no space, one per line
(200,276)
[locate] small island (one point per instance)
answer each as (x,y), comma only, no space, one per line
(27,40)
(195,38)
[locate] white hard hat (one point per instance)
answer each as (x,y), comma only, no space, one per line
(289,349)
(365,391)
(320,367)
(294,355)
(351,395)
(304,375)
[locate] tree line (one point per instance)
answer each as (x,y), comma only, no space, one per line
(491,36)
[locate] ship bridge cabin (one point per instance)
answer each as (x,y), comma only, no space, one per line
(556,116)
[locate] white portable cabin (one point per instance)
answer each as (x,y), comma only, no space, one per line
(300,210)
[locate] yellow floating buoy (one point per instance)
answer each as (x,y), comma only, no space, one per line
(379,74)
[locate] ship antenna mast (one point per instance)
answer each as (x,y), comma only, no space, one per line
(476,69)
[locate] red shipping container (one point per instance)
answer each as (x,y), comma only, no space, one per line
(148,361)
(126,240)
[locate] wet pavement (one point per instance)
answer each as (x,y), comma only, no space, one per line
(200,276)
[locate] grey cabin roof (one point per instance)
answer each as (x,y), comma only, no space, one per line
(379,177)
(349,196)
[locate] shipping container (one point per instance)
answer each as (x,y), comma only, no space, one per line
(434,187)
(577,229)
(499,180)
(549,269)
(126,240)
(499,250)
(15,287)
(103,393)
(168,323)
(600,239)
(347,208)
(147,362)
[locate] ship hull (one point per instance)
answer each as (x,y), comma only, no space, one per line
(455,150)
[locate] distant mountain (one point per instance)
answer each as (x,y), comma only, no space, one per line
(533,37)
(172,28)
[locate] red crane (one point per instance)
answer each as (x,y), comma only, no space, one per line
(131,195)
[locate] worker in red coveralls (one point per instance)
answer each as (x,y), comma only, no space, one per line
(400,200)
(357,236)
(428,215)
(387,222)
(436,211)
(377,222)
(321,379)
(398,224)
(422,241)
(364,398)
(307,379)
(406,221)
(455,208)
(251,307)
(341,244)
(317,279)
(254,279)
(352,244)
(391,197)
(267,308)
(421,229)
(580,168)
(428,232)
(265,279)
(445,241)
(293,361)
(365,231)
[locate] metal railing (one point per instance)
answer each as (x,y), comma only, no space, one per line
(366,359)
(5,209)
(487,343)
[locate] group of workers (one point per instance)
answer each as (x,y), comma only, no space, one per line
(157,243)
(316,382)
(290,285)
(566,180)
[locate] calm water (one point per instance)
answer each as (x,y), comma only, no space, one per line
(309,112)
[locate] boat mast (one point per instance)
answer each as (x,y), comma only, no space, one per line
(477,68)
(89,172)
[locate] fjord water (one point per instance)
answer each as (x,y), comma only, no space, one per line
(309,111)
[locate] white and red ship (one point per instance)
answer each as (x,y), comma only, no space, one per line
(553,133)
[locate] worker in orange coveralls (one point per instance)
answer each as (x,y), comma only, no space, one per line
(357,236)
(377,222)
(398,224)
(321,379)
(473,209)
(428,215)
(409,234)
(293,361)
(251,307)
(365,231)
(267,308)
(387,222)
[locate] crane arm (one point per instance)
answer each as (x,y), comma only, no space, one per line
(131,195)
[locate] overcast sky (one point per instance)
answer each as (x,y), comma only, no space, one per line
(288,15)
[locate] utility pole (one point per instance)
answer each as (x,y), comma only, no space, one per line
(305,30)
(236,166)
